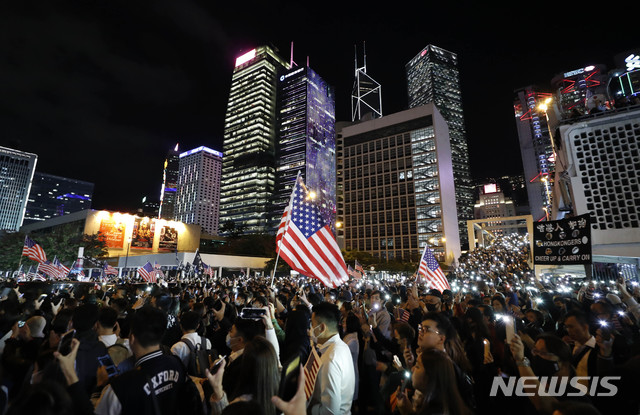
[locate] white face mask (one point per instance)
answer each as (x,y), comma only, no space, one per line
(313,336)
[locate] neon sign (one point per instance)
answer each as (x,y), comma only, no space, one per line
(579,71)
(201,148)
(633,62)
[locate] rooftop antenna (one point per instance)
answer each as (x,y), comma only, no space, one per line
(291,62)
(366,96)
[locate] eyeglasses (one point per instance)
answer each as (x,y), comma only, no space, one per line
(425,329)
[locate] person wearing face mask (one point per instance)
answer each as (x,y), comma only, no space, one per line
(433,301)
(379,317)
(242,332)
(549,357)
(335,383)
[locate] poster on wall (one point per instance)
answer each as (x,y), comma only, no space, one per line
(142,235)
(112,232)
(168,239)
(563,242)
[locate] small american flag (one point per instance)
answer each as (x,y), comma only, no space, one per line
(311,372)
(109,270)
(33,251)
(432,272)
(358,267)
(50,269)
(208,270)
(355,274)
(307,243)
(402,315)
(148,273)
(63,271)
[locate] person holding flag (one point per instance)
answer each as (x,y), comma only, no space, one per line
(430,269)
(305,240)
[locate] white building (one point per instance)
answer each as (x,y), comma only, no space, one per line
(198,195)
(16,173)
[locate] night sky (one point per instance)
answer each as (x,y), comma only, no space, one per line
(101,90)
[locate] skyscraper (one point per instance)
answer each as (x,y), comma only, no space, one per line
(198,194)
(248,171)
(306,141)
(169,184)
(16,172)
(52,196)
(397,182)
(433,77)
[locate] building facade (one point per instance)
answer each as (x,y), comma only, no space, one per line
(248,171)
(16,173)
(198,194)
(52,196)
(306,141)
(169,187)
(397,187)
(433,77)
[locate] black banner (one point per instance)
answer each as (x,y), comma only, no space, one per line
(562,242)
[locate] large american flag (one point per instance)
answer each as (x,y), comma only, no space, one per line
(33,251)
(148,273)
(307,243)
(432,272)
(311,372)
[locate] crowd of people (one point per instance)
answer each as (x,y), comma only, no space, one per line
(499,342)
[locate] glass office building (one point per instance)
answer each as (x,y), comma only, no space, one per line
(248,170)
(16,172)
(306,141)
(52,196)
(169,184)
(433,77)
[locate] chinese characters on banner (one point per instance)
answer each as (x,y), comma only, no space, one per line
(563,242)
(112,232)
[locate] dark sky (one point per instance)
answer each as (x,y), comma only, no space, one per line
(101,90)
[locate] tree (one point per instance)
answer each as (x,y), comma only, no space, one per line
(232,229)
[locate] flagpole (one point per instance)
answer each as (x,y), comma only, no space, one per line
(286,226)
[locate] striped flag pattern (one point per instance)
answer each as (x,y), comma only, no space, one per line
(51,270)
(33,251)
(307,243)
(148,273)
(63,271)
(109,270)
(402,315)
(311,372)
(432,272)
(355,274)
(358,267)
(283,224)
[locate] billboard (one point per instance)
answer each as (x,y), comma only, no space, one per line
(112,232)
(142,234)
(563,242)
(168,239)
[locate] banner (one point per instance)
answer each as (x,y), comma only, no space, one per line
(168,239)
(142,235)
(563,242)
(112,232)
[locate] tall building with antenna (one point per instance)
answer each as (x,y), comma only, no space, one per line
(433,77)
(366,95)
(248,170)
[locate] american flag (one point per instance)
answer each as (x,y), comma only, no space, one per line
(283,224)
(307,243)
(33,251)
(208,270)
(50,269)
(311,372)
(109,270)
(158,270)
(64,271)
(432,272)
(355,274)
(148,273)
(358,267)
(402,315)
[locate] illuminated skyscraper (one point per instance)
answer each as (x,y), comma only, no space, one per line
(53,196)
(433,77)
(169,184)
(248,171)
(16,172)
(306,141)
(198,195)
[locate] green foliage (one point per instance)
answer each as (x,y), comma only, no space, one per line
(232,229)
(62,242)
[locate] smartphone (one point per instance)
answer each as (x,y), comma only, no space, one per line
(405,380)
(64,347)
(217,365)
(21,323)
(108,364)
(253,313)
(509,324)
(605,331)
(289,378)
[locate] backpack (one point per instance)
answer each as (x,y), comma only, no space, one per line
(198,358)
(191,402)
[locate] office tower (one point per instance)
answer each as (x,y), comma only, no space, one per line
(492,203)
(16,172)
(248,171)
(433,77)
(198,195)
(366,95)
(169,184)
(397,182)
(536,149)
(52,196)
(306,141)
